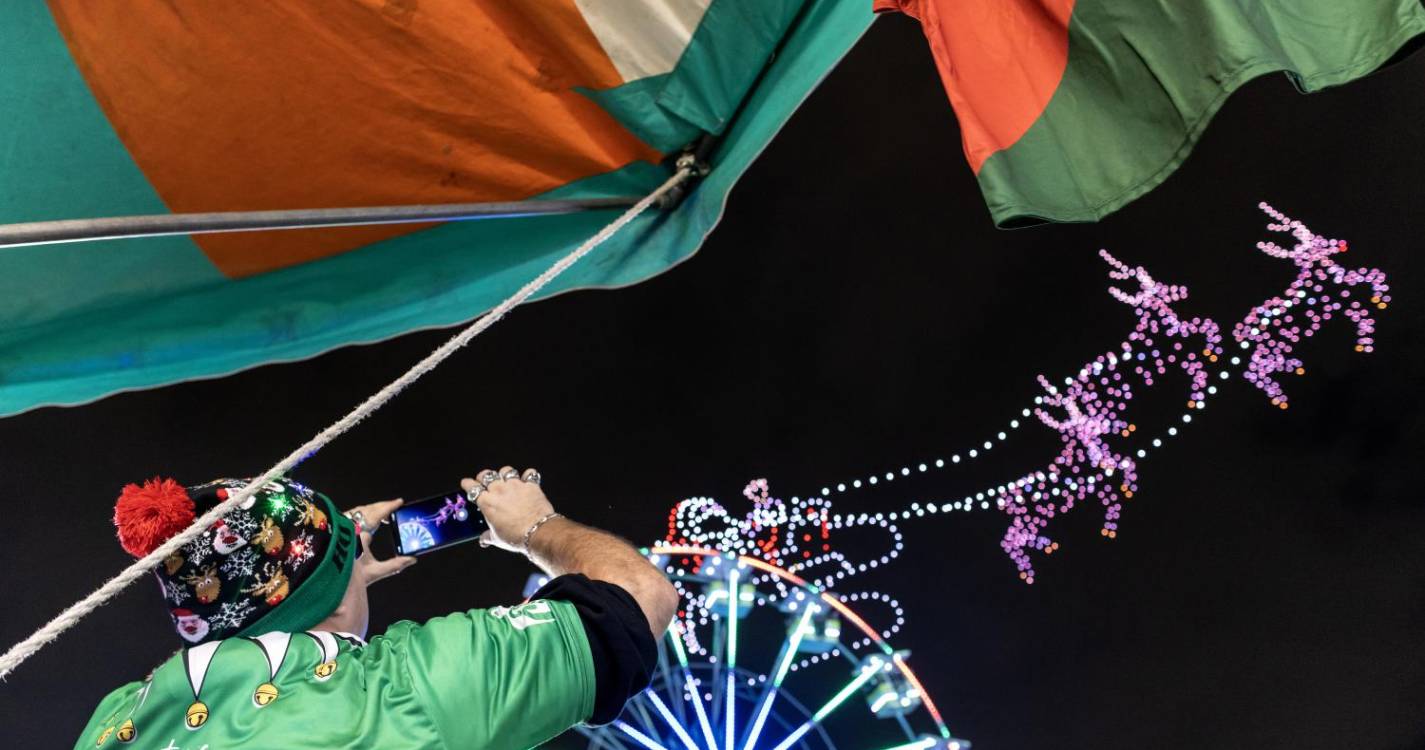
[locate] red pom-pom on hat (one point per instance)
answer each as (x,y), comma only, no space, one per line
(150,515)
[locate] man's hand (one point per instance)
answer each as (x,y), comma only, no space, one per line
(368,569)
(354,612)
(510,506)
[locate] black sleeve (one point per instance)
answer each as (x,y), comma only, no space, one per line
(623,648)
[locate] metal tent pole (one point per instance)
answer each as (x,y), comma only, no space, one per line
(160,225)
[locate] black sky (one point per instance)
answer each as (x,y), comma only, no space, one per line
(855,312)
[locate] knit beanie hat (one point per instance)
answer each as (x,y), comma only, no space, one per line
(278,562)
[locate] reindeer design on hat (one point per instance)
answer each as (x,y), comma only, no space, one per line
(271,584)
(206,583)
(1322,288)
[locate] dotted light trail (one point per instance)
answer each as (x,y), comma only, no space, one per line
(1087,410)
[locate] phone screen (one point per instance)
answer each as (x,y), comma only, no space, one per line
(435,522)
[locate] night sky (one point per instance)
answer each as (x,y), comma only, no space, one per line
(857,312)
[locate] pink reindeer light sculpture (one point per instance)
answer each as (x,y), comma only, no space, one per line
(1094,402)
(1321,289)
(1087,411)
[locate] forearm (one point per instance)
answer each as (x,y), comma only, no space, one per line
(563,546)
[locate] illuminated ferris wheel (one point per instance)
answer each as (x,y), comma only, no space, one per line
(770,662)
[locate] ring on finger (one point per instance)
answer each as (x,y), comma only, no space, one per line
(486,477)
(474,492)
(358,519)
(532,476)
(511,474)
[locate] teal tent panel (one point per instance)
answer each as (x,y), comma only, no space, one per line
(435,278)
(53,133)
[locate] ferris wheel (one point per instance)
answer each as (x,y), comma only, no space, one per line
(769,662)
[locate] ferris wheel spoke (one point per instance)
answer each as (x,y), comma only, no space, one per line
(601,739)
(676,638)
(784,662)
(870,670)
(646,722)
(673,723)
(924,743)
(730,697)
(665,672)
(638,736)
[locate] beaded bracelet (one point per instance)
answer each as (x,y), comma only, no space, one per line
(524,545)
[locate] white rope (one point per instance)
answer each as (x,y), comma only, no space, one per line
(76,612)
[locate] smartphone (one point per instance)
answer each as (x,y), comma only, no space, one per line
(434,523)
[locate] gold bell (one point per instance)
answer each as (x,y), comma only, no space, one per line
(104,736)
(197,715)
(265,694)
(325,669)
(127,732)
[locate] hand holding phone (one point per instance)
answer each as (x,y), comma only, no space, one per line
(434,523)
(512,503)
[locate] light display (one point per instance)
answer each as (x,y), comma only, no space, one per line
(1102,449)
(1321,289)
(719,698)
(780,554)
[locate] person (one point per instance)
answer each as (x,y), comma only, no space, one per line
(271,606)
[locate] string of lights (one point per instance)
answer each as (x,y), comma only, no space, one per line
(1101,449)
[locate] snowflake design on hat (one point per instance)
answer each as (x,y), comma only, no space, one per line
(300,550)
(240,564)
(303,489)
(198,550)
(232,615)
(174,592)
(242,523)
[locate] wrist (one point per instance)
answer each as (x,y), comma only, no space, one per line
(533,531)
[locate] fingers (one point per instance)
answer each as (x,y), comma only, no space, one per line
(372,515)
(377,512)
(510,504)
(379,569)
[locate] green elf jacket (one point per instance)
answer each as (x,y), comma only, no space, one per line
(485,678)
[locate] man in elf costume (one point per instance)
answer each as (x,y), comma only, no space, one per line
(270,605)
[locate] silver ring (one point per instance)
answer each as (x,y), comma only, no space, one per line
(474,492)
(532,476)
(511,474)
(487,477)
(357,519)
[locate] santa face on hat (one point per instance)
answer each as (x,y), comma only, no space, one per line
(191,627)
(225,540)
